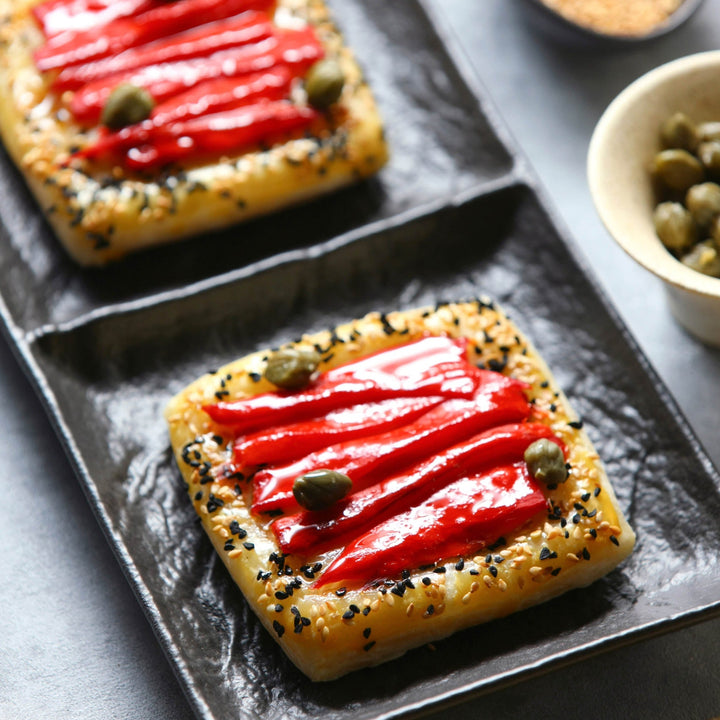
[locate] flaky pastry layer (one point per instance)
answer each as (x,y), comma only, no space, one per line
(102,212)
(332,631)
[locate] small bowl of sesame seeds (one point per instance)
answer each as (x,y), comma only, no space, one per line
(621,22)
(622,174)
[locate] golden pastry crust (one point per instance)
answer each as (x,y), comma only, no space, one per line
(102,212)
(582,538)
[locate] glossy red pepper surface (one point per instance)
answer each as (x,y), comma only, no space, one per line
(247,28)
(219,133)
(319,531)
(290,442)
(429,366)
(440,481)
(498,400)
(296,50)
(57,17)
(196,58)
(206,98)
(455,521)
(123,33)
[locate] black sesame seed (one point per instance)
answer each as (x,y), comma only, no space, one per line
(369,646)
(474,572)
(577,424)
(585,497)
(555,572)
(585,554)
(279,629)
(199,495)
(229,546)
(493,571)
(340,591)
(430,610)
(498,558)
(366,610)
(366,632)
(354,608)
(488,558)
(214,503)
(593,532)
(280,595)
(576,518)
(459,565)
(597,491)
(614,540)
(294,610)
(249,545)
(426,581)
(441,569)
(348,615)
(278,608)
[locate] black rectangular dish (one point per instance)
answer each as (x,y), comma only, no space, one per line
(114,374)
(106,352)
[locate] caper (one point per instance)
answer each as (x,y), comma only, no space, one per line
(292,368)
(674,226)
(708,131)
(709,154)
(703,201)
(127,105)
(545,462)
(704,258)
(324,83)
(678,169)
(320,489)
(679,131)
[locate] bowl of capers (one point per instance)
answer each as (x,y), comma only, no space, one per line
(654,174)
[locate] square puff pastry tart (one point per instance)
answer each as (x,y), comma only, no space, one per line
(101,210)
(328,631)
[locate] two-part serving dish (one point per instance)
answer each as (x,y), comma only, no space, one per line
(454,215)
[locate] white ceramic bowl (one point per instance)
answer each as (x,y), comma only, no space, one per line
(622,147)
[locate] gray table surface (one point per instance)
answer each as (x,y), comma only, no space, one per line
(73,640)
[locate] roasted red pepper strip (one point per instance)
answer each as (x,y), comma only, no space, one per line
(123,33)
(227,132)
(290,442)
(207,98)
(429,366)
(295,49)
(498,400)
(73,16)
(247,28)
(454,521)
(358,513)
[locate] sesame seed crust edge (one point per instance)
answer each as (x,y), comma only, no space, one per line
(101,213)
(577,547)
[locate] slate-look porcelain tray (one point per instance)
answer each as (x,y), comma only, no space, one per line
(105,367)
